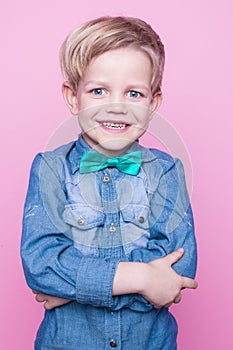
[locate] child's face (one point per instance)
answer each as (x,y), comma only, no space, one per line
(114,100)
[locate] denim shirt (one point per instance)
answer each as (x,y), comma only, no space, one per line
(76,230)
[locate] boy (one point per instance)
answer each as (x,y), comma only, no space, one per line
(105,217)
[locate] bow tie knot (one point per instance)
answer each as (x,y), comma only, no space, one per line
(128,163)
(113,162)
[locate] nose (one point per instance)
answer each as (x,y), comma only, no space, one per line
(116,108)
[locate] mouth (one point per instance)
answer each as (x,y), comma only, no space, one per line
(115,126)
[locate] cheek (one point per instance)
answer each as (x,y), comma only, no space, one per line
(141,112)
(142,124)
(84,122)
(82,103)
(88,101)
(87,112)
(143,119)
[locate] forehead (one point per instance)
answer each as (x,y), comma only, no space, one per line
(127,63)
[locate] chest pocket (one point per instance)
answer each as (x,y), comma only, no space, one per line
(135,227)
(86,224)
(137,215)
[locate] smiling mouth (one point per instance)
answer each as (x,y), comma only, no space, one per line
(114,126)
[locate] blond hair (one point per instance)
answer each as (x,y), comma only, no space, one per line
(100,35)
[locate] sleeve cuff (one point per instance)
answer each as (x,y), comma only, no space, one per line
(94,281)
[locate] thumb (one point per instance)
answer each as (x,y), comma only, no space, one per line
(173,257)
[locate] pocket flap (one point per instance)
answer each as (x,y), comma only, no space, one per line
(83,216)
(136,214)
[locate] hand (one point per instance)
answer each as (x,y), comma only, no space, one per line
(50,302)
(162,285)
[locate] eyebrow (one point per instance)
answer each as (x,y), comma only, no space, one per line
(135,86)
(95,82)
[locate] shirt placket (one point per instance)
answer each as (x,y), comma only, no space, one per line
(110,206)
(109,197)
(113,329)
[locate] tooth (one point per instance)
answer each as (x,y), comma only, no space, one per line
(114,125)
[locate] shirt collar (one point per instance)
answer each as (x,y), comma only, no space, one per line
(81,147)
(76,153)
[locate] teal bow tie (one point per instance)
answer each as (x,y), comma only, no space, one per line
(129,163)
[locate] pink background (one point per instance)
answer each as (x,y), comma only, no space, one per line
(197,101)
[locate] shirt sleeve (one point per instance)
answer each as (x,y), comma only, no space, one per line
(171,227)
(171,223)
(51,263)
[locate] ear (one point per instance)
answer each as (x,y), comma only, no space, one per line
(70,97)
(156,102)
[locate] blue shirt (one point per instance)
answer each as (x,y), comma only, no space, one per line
(78,227)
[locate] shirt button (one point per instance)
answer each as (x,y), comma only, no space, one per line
(81,221)
(141,219)
(112,228)
(113,344)
(106,179)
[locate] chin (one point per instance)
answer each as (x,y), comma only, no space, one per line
(115,146)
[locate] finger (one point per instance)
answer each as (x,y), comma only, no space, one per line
(48,305)
(168,305)
(189,283)
(175,301)
(40,297)
(173,257)
(178,298)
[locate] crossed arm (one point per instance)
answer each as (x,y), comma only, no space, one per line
(150,274)
(155,281)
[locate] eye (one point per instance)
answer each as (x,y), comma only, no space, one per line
(134,94)
(98,92)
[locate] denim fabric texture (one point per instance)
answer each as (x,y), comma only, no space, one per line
(76,230)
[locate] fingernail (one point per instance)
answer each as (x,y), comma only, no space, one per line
(181,250)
